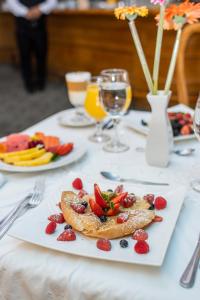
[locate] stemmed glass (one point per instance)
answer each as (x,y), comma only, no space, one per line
(94,109)
(123,74)
(196,123)
(113,96)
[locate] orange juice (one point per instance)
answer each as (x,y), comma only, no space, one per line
(92,104)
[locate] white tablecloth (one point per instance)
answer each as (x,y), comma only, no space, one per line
(31,272)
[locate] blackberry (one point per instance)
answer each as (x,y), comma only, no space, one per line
(110,191)
(67,227)
(124,243)
(84,203)
(103,219)
(151,207)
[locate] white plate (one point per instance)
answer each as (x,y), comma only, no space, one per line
(31,228)
(78,151)
(135,122)
(66,118)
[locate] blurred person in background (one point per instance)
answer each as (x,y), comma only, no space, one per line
(32,38)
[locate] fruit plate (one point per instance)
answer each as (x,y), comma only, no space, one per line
(31,228)
(78,152)
(134,122)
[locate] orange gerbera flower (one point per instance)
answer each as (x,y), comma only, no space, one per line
(177,15)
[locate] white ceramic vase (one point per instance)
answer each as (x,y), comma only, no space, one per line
(160,138)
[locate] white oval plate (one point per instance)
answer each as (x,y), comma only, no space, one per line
(78,152)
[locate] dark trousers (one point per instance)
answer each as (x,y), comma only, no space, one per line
(32,41)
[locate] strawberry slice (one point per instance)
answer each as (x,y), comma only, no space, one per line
(58,218)
(96,208)
(65,149)
(113,211)
(98,197)
(119,198)
(67,235)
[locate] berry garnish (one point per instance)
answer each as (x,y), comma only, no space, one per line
(103,219)
(78,208)
(141,247)
(157,219)
(84,203)
(96,208)
(149,198)
(104,244)
(123,243)
(67,227)
(58,218)
(77,184)
(67,235)
(128,201)
(82,193)
(160,203)
(121,218)
(151,207)
(98,196)
(140,235)
(51,227)
(119,189)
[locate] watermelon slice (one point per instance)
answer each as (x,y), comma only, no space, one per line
(17,142)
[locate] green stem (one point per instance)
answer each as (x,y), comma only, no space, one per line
(141,55)
(158,50)
(173,61)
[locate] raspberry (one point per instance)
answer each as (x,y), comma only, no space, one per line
(67,235)
(160,203)
(82,193)
(79,208)
(123,217)
(140,235)
(157,219)
(119,189)
(149,198)
(51,227)
(104,245)
(141,247)
(58,218)
(128,201)
(77,184)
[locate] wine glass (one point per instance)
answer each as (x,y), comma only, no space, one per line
(124,74)
(94,109)
(76,83)
(113,96)
(196,123)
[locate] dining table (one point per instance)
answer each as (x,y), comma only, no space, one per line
(28,271)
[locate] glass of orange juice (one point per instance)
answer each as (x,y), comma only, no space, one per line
(121,73)
(95,110)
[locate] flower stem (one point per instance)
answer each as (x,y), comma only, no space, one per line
(158,50)
(173,61)
(141,55)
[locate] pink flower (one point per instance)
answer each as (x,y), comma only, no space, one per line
(158,2)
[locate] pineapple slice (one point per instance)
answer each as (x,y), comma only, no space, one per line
(25,157)
(15,153)
(42,160)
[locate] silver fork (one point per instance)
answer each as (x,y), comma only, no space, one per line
(34,201)
(188,278)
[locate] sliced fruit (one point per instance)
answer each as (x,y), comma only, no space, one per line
(104,244)
(17,142)
(119,198)
(3,147)
(113,211)
(51,227)
(17,153)
(64,149)
(57,218)
(67,235)
(157,219)
(42,160)
(25,157)
(96,208)
(119,189)
(98,197)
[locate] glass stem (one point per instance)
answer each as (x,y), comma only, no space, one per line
(98,129)
(115,139)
